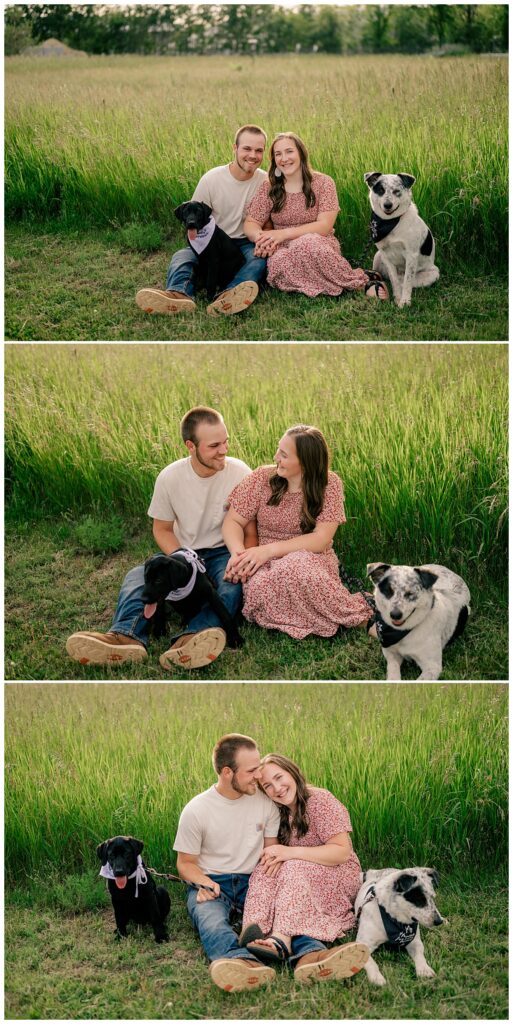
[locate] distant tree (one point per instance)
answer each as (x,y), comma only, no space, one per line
(17,31)
(441,20)
(375,36)
(409,29)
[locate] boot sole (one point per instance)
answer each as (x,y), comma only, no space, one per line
(89,651)
(236,300)
(235,977)
(202,649)
(152,301)
(342,962)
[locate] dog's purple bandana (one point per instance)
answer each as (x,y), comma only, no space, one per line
(197,566)
(380,228)
(139,874)
(203,236)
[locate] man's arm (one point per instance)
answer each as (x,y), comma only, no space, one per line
(187,865)
(165,536)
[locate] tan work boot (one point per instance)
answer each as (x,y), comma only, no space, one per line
(233,975)
(332,964)
(234,300)
(154,300)
(104,648)
(195,650)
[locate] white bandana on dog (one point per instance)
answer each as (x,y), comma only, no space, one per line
(197,566)
(203,236)
(139,874)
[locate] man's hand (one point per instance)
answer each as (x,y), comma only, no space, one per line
(233,573)
(247,562)
(273,857)
(205,894)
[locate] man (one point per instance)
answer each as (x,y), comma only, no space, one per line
(228,190)
(188,507)
(220,838)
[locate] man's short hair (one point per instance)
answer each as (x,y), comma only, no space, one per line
(224,754)
(192,419)
(254,128)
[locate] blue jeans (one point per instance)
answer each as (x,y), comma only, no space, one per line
(212,922)
(129,615)
(181,276)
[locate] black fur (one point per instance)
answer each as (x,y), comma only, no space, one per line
(460,625)
(427,245)
(221,259)
(152,904)
(163,573)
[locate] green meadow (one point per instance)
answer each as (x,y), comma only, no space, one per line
(417,433)
(421,768)
(100,152)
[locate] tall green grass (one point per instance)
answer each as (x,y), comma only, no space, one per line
(422,768)
(111,140)
(418,433)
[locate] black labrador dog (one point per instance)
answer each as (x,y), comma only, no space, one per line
(132,898)
(164,577)
(220,260)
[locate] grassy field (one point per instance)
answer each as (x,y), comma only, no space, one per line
(99,153)
(423,481)
(422,769)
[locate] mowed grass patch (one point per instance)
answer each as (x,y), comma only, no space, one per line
(422,768)
(54,589)
(62,285)
(68,965)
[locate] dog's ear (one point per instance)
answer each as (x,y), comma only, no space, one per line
(136,844)
(407,179)
(427,578)
(434,876)
(376,570)
(371,177)
(179,212)
(404,882)
(101,851)
(207,210)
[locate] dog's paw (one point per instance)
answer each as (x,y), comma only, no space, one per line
(378,979)
(163,937)
(425,972)
(235,641)
(118,936)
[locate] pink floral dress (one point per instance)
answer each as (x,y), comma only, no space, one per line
(312,264)
(306,898)
(301,592)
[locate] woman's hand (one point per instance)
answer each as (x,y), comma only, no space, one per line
(250,560)
(267,242)
(233,574)
(272,858)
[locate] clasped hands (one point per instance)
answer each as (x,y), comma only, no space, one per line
(266,242)
(273,857)
(244,564)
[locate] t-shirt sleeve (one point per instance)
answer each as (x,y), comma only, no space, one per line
(161,506)
(272,825)
(246,497)
(328,199)
(260,206)
(201,193)
(333,508)
(330,816)
(189,835)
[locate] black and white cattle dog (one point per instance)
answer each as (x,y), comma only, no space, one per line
(418,612)
(219,258)
(182,580)
(406,247)
(133,892)
(389,908)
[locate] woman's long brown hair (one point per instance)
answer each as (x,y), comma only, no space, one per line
(277,191)
(299,820)
(312,452)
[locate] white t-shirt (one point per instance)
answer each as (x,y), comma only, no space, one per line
(226,835)
(228,197)
(196,505)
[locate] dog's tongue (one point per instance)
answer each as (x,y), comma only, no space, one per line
(149,610)
(121,882)
(192,234)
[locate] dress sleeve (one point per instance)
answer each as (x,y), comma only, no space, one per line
(260,206)
(246,497)
(333,508)
(327,194)
(329,816)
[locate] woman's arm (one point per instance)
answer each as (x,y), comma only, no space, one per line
(337,850)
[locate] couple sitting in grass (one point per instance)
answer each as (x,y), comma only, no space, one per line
(265,536)
(282,223)
(265,845)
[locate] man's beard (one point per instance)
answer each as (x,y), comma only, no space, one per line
(208,465)
(237,788)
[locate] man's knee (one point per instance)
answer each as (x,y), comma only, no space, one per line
(134,578)
(181,258)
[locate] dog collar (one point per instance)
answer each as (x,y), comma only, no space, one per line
(197,565)
(139,874)
(387,635)
(203,237)
(380,228)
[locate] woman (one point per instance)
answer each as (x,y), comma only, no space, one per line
(302,252)
(305,885)
(291,580)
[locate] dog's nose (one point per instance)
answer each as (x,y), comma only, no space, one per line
(438,920)
(396,614)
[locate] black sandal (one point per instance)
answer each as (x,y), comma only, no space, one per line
(250,933)
(269,956)
(379,286)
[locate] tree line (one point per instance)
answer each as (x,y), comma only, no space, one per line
(259,28)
